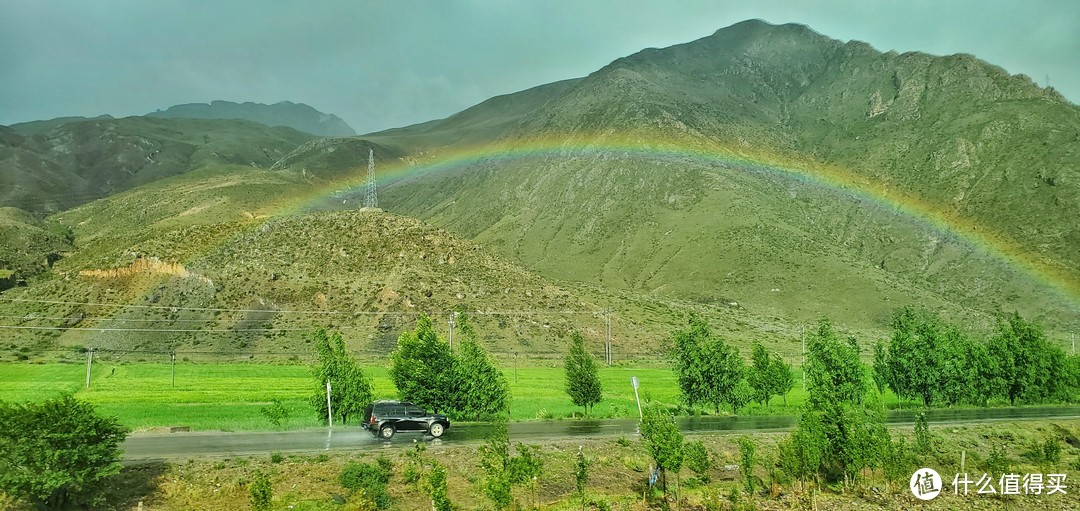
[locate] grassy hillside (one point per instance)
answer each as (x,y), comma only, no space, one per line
(206,239)
(28,245)
(146,263)
(78,162)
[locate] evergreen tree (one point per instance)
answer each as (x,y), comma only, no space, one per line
(881,367)
(782,377)
(839,434)
(768,375)
(350,389)
(914,355)
(722,369)
(480,390)
(1031,369)
(758,375)
(582,380)
(688,357)
(708,369)
(422,367)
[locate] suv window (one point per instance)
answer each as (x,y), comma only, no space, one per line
(414,411)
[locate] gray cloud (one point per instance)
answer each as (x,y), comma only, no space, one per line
(382,64)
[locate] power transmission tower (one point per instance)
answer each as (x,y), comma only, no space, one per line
(371,193)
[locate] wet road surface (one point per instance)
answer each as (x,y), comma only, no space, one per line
(142,447)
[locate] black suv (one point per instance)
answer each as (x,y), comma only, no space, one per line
(384,418)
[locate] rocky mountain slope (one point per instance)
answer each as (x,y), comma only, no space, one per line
(641,186)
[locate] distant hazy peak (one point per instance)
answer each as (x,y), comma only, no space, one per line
(283,113)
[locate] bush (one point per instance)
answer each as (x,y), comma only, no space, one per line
(372,479)
(923,440)
(275,412)
(1047,452)
(746,463)
(436,488)
(697,458)
(262,492)
(57,453)
(997,463)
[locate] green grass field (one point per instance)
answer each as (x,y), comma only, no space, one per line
(229,396)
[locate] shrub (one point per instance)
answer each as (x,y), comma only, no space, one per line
(372,479)
(746,463)
(997,463)
(261,491)
(923,440)
(57,453)
(275,412)
(697,458)
(436,488)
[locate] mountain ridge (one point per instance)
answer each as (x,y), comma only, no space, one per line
(298,116)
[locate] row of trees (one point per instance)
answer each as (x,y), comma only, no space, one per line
(711,372)
(931,361)
(464,386)
(840,431)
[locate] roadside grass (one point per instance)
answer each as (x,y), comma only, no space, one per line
(618,476)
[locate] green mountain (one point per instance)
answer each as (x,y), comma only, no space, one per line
(77,162)
(763,176)
(623,198)
(39,127)
(297,116)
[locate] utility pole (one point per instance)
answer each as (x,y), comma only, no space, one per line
(89,365)
(452,325)
(607,345)
(329,411)
(802,338)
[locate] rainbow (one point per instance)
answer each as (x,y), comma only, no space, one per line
(837,179)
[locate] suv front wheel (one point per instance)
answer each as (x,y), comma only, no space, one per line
(436,430)
(386,432)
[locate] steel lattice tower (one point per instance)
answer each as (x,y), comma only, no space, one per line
(371,194)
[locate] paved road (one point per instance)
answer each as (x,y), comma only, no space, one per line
(143,447)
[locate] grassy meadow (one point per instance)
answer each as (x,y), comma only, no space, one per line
(229,396)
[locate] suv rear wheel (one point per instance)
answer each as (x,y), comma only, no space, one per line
(386,431)
(435,430)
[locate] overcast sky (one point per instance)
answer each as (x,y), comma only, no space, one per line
(382,64)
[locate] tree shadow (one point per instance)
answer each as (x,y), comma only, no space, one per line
(137,481)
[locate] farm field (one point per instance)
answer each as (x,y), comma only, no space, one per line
(229,397)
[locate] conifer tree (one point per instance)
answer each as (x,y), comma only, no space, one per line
(582,379)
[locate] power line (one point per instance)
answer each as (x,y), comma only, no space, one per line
(133,320)
(159,330)
(315,312)
(172,308)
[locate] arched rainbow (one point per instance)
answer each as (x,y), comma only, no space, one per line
(859,187)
